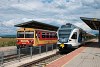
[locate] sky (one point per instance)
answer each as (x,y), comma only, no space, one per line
(54,12)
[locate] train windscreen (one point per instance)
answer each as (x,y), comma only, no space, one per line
(64,33)
(28,34)
(20,34)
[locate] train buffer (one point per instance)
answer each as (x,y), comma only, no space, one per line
(86,56)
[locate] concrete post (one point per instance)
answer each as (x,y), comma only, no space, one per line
(52,47)
(99,37)
(56,47)
(19,54)
(40,50)
(31,51)
(2,58)
(46,48)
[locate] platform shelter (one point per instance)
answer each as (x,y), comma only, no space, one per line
(93,23)
(37,25)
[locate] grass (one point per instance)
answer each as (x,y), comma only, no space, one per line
(7,42)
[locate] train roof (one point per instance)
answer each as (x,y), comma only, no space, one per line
(37,25)
(89,34)
(75,26)
(93,23)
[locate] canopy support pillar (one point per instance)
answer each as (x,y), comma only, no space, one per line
(99,37)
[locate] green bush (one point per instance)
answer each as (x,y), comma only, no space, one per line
(7,42)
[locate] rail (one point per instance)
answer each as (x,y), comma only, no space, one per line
(39,60)
(42,62)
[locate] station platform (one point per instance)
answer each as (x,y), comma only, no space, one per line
(85,56)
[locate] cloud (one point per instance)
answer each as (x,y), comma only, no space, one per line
(7,31)
(7,27)
(28,6)
(55,12)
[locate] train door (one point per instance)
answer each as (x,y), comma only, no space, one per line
(80,37)
(37,37)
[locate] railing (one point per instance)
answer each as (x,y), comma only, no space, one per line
(18,54)
(1,58)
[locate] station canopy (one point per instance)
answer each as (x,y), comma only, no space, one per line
(93,23)
(37,25)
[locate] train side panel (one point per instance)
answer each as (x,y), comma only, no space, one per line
(35,37)
(45,37)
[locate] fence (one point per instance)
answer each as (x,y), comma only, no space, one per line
(24,52)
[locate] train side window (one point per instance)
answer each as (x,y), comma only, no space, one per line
(47,35)
(74,36)
(50,35)
(55,35)
(43,35)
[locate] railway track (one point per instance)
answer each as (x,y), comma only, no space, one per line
(12,57)
(37,63)
(23,54)
(42,62)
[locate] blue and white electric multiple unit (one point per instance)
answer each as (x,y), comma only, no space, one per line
(69,36)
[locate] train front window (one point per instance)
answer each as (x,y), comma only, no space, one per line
(29,34)
(63,34)
(74,36)
(20,34)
